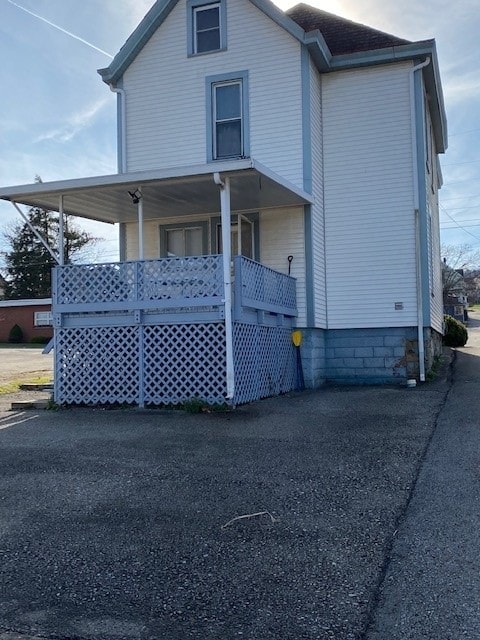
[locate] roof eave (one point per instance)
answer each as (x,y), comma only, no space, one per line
(158,13)
(318,49)
(137,40)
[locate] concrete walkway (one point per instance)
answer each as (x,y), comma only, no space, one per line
(431,588)
(362,505)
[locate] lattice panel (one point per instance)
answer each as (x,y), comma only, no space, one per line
(264,362)
(184,361)
(185,278)
(263,284)
(97,365)
(94,283)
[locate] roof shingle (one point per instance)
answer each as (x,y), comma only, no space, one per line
(342,36)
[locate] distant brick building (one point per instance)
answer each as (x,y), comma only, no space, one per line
(34,317)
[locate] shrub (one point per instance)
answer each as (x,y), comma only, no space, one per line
(39,340)
(16,334)
(456,334)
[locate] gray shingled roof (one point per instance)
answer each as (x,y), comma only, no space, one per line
(342,36)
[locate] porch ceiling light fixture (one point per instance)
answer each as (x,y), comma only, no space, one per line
(136,196)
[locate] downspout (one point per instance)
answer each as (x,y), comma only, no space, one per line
(122,163)
(416,205)
(123,127)
(227,278)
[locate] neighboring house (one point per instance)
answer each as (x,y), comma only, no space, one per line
(275,170)
(455,302)
(34,317)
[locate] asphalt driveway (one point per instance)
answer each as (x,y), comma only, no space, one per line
(111,521)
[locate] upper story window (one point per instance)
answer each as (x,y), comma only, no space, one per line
(207,28)
(227,116)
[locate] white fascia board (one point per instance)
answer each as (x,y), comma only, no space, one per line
(121,179)
(258,166)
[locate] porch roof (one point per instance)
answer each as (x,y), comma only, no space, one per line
(166,192)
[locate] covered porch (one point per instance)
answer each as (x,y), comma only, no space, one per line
(216,327)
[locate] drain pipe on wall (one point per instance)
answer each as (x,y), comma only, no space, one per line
(123,127)
(416,197)
(227,277)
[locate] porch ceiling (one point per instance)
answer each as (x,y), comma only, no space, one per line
(174,192)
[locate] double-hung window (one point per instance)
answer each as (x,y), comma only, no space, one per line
(227,118)
(227,114)
(206,26)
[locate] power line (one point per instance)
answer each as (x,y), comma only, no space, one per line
(458,225)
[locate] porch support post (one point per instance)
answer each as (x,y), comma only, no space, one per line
(141,249)
(61,233)
(227,278)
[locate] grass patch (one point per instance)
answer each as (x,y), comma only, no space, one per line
(14,385)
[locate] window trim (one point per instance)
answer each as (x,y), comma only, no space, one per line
(38,314)
(192,5)
(210,83)
(203,224)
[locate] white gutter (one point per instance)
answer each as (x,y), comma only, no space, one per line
(36,233)
(227,277)
(123,124)
(416,206)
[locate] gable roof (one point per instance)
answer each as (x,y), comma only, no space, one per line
(342,36)
(334,43)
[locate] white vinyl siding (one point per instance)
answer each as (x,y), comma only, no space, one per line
(433,236)
(368,171)
(282,235)
(318,222)
(166,116)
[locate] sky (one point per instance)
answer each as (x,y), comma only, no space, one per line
(58,119)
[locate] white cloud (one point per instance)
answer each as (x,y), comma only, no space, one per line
(75,123)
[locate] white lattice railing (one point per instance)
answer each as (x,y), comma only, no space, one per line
(167,283)
(259,287)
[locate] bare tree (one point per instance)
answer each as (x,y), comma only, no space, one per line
(460,268)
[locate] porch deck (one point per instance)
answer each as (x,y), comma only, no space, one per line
(154,332)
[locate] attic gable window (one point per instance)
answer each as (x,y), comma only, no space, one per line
(206,24)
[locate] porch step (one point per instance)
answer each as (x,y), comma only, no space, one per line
(32,386)
(30,404)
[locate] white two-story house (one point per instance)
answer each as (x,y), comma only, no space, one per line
(276,170)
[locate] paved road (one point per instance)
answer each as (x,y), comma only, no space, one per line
(111,521)
(16,363)
(432,585)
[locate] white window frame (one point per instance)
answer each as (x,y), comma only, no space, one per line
(194,7)
(217,121)
(42,319)
(212,82)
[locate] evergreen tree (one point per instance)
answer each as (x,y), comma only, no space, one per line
(28,264)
